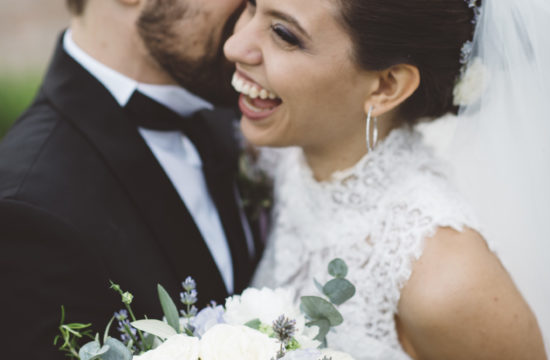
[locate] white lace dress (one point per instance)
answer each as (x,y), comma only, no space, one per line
(375,216)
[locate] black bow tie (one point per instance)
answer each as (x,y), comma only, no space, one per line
(149,114)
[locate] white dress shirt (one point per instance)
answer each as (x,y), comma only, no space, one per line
(175,152)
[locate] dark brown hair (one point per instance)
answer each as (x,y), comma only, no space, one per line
(428,34)
(76,7)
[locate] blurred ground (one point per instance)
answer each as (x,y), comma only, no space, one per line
(28,32)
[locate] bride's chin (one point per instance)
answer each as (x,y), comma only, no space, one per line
(257,135)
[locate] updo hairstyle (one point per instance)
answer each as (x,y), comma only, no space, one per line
(428,34)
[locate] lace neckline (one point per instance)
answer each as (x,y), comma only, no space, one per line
(361,186)
(398,138)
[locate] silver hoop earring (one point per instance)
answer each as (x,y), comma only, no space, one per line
(370,146)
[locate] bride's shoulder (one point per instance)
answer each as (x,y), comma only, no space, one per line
(458,286)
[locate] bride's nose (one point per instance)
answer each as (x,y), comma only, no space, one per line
(243,46)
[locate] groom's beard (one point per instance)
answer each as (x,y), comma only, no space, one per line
(208,76)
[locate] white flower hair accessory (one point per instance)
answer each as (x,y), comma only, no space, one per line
(471,81)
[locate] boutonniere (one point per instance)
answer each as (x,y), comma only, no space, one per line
(255,186)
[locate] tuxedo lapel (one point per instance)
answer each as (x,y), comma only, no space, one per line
(220,174)
(93,111)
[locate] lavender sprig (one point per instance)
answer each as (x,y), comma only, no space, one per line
(189,298)
(128,334)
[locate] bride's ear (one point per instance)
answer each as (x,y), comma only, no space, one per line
(394,86)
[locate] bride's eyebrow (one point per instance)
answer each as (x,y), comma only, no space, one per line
(289,19)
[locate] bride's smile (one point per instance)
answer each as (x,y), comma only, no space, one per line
(256,102)
(298,83)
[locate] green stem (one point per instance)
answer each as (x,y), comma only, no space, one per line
(129,308)
(129,332)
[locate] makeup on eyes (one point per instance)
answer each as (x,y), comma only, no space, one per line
(282,32)
(286,35)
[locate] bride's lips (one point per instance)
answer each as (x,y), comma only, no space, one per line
(256,102)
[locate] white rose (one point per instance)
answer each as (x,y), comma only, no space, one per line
(227,342)
(177,347)
(335,355)
(470,87)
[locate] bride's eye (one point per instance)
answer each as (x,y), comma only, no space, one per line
(287,36)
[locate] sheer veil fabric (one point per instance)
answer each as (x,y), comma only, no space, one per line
(500,148)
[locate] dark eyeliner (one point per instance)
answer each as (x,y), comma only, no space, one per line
(287,36)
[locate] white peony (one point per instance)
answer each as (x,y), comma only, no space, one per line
(265,304)
(227,342)
(306,336)
(177,347)
(472,84)
(335,355)
(307,354)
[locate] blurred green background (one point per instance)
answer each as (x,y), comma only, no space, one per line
(16,93)
(28,34)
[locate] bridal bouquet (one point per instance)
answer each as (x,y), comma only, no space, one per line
(259,324)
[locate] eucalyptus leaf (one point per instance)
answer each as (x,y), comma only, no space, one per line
(254,324)
(169,308)
(155,327)
(338,268)
(317,308)
(318,286)
(77,326)
(92,351)
(339,290)
(324,328)
(117,351)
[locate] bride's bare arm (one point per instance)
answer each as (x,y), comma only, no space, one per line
(460,303)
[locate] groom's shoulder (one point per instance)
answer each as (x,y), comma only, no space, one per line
(39,139)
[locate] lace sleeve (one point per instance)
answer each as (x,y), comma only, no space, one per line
(414,212)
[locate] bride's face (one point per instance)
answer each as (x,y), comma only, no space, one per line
(298,82)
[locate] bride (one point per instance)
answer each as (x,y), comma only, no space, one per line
(429,286)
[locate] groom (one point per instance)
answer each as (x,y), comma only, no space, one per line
(121,170)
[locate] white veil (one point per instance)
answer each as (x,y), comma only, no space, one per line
(501,147)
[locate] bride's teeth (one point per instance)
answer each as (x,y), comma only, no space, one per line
(251,90)
(254,92)
(240,85)
(263,94)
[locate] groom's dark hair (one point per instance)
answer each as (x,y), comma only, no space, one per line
(76,7)
(428,34)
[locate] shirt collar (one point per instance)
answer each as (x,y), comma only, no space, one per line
(122,87)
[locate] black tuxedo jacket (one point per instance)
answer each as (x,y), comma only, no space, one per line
(84,201)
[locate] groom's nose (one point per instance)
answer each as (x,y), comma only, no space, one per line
(243,46)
